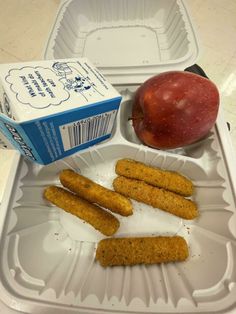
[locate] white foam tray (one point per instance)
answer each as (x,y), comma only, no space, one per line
(128,41)
(48,256)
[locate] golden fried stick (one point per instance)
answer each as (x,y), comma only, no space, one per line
(96,193)
(100,219)
(169,180)
(160,198)
(143,250)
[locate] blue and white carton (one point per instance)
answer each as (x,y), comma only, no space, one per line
(52,109)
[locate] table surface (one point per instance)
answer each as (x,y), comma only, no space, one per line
(25,26)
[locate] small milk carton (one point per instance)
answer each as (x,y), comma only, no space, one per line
(51,109)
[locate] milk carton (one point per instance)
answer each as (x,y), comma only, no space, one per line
(52,109)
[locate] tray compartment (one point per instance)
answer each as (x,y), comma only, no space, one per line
(196,150)
(49,254)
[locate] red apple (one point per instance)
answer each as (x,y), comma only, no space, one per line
(174,109)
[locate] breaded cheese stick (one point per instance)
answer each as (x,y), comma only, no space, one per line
(169,180)
(100,219)
(142,250)
(160,198)
(96,193)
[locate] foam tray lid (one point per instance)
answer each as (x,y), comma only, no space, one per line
(128,41)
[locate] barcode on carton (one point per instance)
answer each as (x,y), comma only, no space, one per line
(86,130)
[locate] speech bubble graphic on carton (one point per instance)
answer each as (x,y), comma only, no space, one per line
(37,87)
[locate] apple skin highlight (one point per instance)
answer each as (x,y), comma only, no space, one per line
(174,109)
